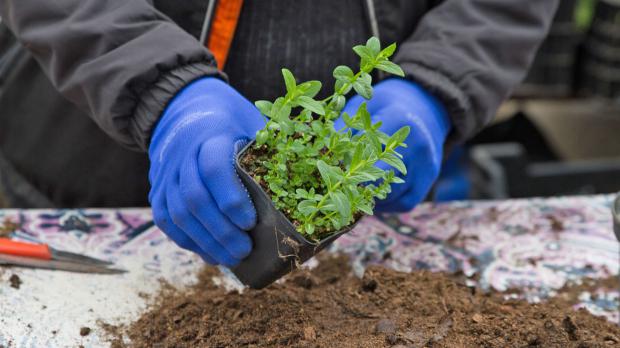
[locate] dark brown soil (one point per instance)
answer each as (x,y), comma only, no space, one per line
(251,161)
(15,281)
(328,307)
(84,331)
(114,332)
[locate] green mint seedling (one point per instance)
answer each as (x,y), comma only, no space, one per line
(324,178)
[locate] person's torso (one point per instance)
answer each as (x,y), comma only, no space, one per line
(66,156)
(309,37)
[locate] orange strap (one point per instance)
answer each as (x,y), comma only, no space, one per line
(223,28)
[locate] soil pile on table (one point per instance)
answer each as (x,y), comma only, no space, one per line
(329,307)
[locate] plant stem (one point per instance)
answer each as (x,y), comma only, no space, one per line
(327,216)
(344,87)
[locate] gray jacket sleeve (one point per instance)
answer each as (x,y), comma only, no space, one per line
(472,53)
(119,61)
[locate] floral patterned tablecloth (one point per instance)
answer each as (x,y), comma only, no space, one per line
(535,245)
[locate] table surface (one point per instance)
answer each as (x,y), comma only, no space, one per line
(537,245)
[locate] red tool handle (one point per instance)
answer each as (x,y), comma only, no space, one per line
(37,251)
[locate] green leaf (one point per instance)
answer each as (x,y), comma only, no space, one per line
(366,78)
(357,154)
(328,207)
(284,112)
(343,73)
(374,172)
(341,148)
(289,80)
(384,138)
(264,107)
(317,197)
(342,87)
(337,223)
(397,180)
(391,68)
(277,189)
(369,152)
(365,208)
(310,88)
(311,104)
(388,51)
(374,45)
(398,138)
(273,126)
(348,121)
(302,128)
(330,174)
(395,162)
(363,86)
(280,110)
(317,127)
(343,206)
(382,192)
(301,193)
(374,140)
(287,126)
(307,207)
(367,64)
(364,52)
(364,116)
(309,228)
(353,123)
(333,140)
(360,177)
(363,89)
(262,136)
(339,102)
(305,116)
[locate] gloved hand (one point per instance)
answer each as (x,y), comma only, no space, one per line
(397,103)
(196,196)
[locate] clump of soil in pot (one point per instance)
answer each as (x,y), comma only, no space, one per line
(329,307)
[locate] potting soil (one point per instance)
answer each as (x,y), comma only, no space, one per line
(329,307)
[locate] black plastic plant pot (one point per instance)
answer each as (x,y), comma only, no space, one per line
(277,246)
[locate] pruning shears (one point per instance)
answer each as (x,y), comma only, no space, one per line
(39,255)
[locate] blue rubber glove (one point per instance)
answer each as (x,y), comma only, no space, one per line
(397,103)
(196,196)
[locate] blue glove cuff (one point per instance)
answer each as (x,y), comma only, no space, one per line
(181,101)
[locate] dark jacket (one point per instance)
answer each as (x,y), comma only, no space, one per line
(121,61)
